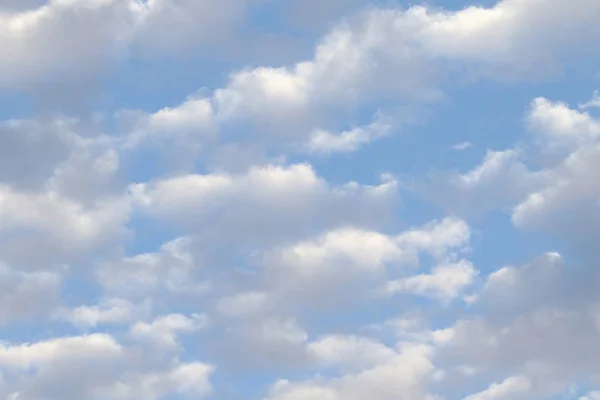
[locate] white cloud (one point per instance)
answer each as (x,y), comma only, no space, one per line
(566,203)
(399,55)
(516,387)
(347,264)
(462,146)
(188,380)
(591,396)
(169,26)
(171,269)
(164,330)
(242,304)
(188,124)
(27,294)
(60,227)
(446,281)
(34,50)
(100,34)
(349,352)
(264,204)
(22,357)
(96,367)
(271,245)
(537,322)
(263,343)
(31,149)
(593,103)
(560,129)
(109,311)
(405,373)
(326,142)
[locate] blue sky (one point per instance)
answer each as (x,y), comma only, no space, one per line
(299,200)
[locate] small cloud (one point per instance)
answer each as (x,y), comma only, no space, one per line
(461,146)
(593,103)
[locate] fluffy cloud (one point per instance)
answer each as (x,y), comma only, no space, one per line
(34,40)
(101,33)
(163,330)
(571,188)
(176,25)
(404,373)
(109,311)
(349,352)
(94,367)
(560,196)
(445,282)
(345,265)
(510,388)
(267,265)
(27,294)
(169,270)
(30,150)
(265,204)
(263,343)
(403,56)
(61,228)
(539,321)
(322,141)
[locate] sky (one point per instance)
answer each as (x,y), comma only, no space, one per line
(299,200)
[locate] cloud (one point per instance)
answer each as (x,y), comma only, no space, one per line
(547,183)
(96,367)
(405,373)
(510,388)
(462,146)
(25,295)
(326,142)
(31,149)
(34,52)
(269,264)
(263,343)
(537,322)
(242,304)
(263,205)
(593,103)
(172,26)
(349,352)
(188,381)
(61,229)
(404,57)
(346,265)
(170,270)
(163,330)
(446,281)
(109,311)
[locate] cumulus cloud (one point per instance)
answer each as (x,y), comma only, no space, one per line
(539,321)
(264,204)
(401,55)
(27,294)
(109,311)
(163,330)
(349,352)
(96,366)
(510,388)
(170,270)
(61,228)
(273,266)
(445,282)
(100,34)
(347,265)
(404,373)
